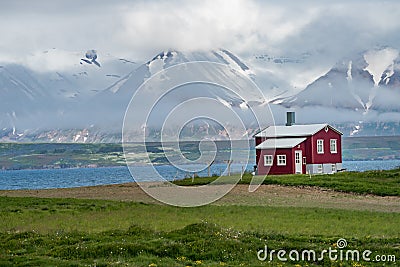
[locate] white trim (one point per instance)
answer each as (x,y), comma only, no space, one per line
(298,155)
(294,130)
(270,160)
(335,146)
(274,143)
(320,144)
(320,168)
(333,166)
(327,168)
(281,160)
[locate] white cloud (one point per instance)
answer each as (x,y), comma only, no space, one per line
(140,29)
(238,25)
(52,60)
(188,25)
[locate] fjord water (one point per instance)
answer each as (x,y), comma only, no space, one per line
(359,154)
(77,177)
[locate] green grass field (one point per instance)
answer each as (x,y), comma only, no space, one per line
(88,232)
(72,232)
(381,183)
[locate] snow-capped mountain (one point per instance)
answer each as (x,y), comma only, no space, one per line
(44,89)
(229,71)
(269,84)
(64,96)
(93,90)
(164,60)
(367,82)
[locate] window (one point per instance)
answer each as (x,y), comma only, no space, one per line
(268,160)
(304,160)
(333,167)
(333,146)
(320,146)
(320,168)
(297,158)
(281,160)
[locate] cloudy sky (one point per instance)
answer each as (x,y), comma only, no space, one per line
(140,29)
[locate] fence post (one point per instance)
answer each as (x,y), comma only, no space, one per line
(209,166)
(229,166)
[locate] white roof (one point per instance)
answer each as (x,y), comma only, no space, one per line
(293,131)
(280,143)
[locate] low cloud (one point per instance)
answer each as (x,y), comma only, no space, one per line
(140,29)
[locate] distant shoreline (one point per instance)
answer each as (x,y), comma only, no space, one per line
(41,156)
(160,164)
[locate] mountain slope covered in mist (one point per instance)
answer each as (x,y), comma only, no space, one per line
(85,98)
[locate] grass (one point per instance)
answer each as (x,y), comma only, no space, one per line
(92,216)
(72,232)
(201,244)
(381,183)
(83,232)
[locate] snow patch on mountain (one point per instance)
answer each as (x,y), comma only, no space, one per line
(389,73)
(163,61)
(235,62)
(224,102)
(117,85)
(244,106)
(379,61)
(349,75)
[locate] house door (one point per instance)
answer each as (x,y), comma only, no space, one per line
(297,160)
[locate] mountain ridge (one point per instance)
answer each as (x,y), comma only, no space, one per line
(86,103)
(354,84)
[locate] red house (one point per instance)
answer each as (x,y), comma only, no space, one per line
(311,149)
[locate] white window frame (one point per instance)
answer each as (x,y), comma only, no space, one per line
(320,168)
(281,160)
(320,144)
(334,143)
(333,168)
(304,160)
(268,160)
(297,160)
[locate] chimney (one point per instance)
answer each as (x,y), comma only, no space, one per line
(290,118)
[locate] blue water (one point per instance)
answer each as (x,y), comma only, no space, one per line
(67,178)
(371,165)
(77,177)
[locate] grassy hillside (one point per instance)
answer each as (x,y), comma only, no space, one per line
(381,183)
